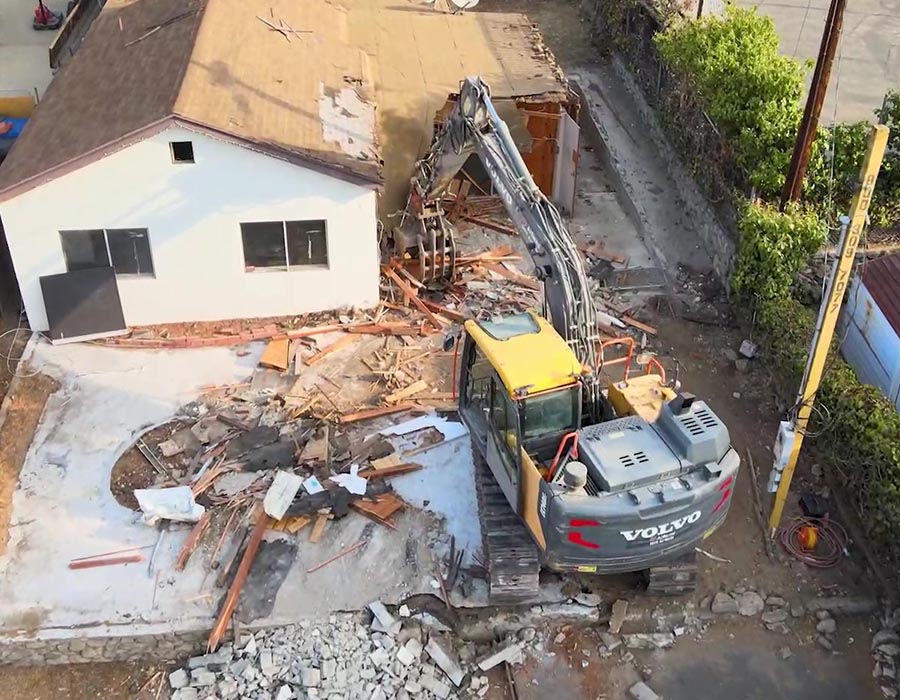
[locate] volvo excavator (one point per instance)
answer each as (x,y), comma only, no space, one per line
(573,473)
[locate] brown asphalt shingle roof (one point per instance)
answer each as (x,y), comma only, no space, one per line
(215,65)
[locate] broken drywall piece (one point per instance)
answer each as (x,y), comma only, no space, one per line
(176,503)
(451,430)
(352,482)
(281,493)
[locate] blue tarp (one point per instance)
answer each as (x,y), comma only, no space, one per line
(17,126)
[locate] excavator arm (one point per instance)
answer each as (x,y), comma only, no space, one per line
(424,232)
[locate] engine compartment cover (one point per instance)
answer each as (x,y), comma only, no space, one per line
(626,452)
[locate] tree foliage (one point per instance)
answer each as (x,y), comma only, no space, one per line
(834,168)
(774,246)
(751,92)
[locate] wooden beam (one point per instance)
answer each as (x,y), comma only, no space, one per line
(406,392)
(410,294)
(334,347)
(218,631)
(108,561)
(193,539)
(516,277)
(318,528)
(640,326)
(386,329)
(375,412)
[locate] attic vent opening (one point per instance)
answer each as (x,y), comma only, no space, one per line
(182,151)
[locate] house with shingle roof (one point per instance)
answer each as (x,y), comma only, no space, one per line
(205,159)
(214,166)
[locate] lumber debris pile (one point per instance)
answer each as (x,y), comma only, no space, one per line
(258,456)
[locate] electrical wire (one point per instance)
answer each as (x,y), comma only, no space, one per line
(12,363)
(831,544)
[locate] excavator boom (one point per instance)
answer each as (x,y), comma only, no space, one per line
(475,127)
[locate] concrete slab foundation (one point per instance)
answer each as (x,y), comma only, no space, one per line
(63,509)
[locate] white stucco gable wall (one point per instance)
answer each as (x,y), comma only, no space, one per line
(193,213)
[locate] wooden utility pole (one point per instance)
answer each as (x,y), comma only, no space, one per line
(828,314)
(793,184)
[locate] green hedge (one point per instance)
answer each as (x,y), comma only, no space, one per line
(862,439)
(834,168)
(774,246)
(751,92)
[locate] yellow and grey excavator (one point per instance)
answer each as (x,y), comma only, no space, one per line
(573,473)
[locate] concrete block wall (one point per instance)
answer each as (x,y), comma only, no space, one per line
(720,237)
(720,241)
(69,649)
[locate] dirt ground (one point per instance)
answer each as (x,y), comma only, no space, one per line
(24,412)
(133,471)
(84,682)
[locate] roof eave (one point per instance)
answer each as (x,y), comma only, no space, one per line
(370,176)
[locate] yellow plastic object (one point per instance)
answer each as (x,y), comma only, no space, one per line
(531,362)
(642,396)
(809,537)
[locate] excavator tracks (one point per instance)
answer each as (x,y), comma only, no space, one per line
(511,556)
(673,578)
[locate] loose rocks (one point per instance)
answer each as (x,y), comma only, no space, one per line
(338,658)
(724,604)
(750,604)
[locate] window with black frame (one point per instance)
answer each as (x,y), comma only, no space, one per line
(127,250)
(284,245)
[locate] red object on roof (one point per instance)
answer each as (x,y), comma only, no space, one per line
(882,279)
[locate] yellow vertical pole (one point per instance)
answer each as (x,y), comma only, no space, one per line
(828,312)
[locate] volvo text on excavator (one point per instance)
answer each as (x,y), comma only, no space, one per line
(573,473)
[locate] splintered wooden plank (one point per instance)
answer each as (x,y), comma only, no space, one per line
(375,412)
(410,294)
(444,311)
(334,347)
(406,392)
(218,632)
(387,472)
(294,525)
(193,539)
(318,528)
(383,507)
(277,354)
(516,277)
(640,326)
(385,462)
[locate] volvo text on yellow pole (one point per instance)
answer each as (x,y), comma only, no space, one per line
(828,314)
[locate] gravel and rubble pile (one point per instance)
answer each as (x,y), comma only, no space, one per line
(343,659)
(886,653)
